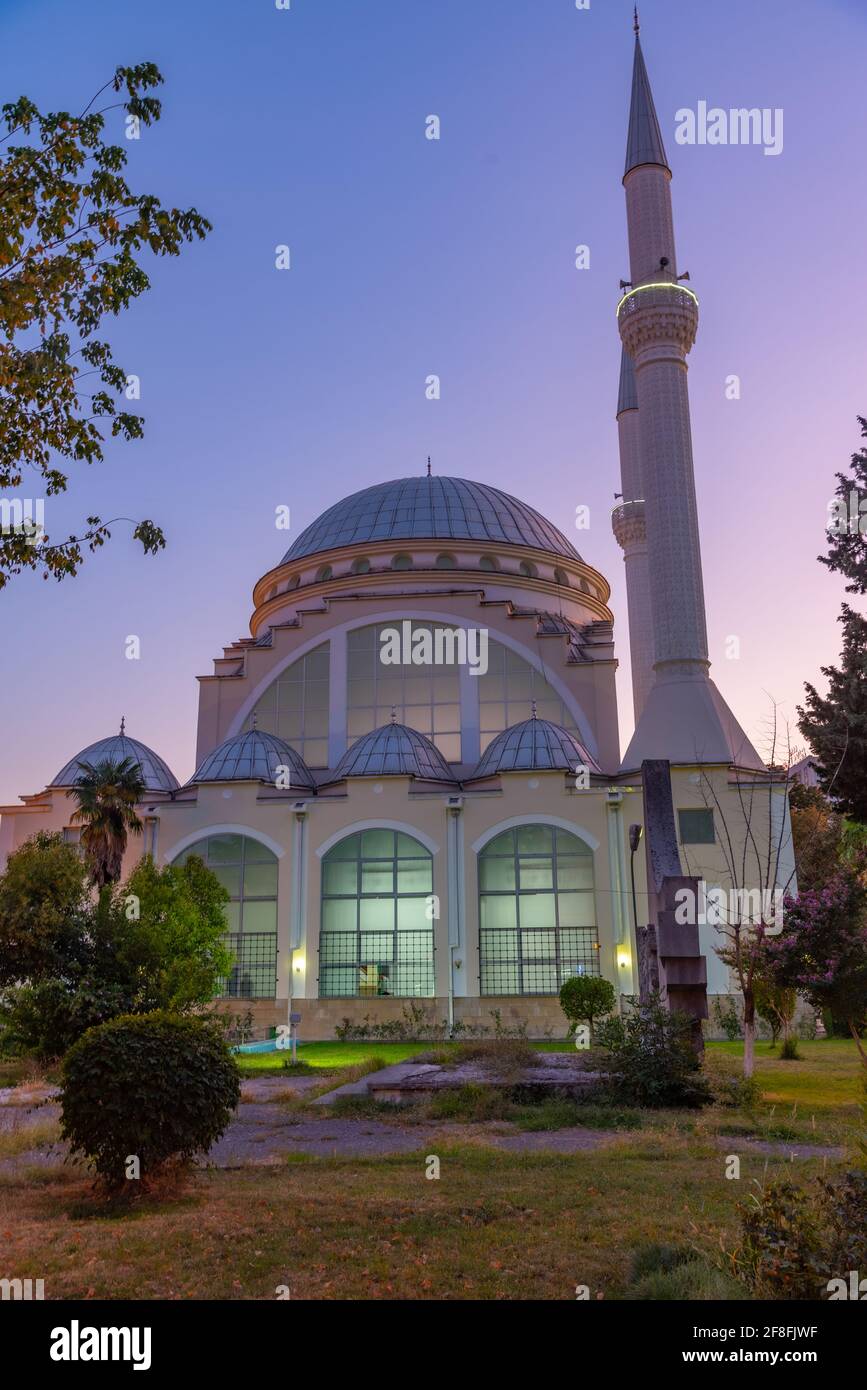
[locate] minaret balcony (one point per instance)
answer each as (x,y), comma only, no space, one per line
(658,313)
(628,525)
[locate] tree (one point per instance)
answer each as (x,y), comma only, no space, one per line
(168,929)
(43,908)
(818,833)
(822,952)
(585,998)
(755,851)
(776,1004)
(847,523)
(107,793)
(70,963)
(71,231)
(836,725)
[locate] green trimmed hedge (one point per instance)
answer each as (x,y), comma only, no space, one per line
(155,1086)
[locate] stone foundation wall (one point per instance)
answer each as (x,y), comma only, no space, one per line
(541,1016)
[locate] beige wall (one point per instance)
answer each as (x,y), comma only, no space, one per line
(600,816)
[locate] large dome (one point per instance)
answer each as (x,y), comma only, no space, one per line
(425,508)
(157,775)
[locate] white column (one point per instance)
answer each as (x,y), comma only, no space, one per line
(471,739)
(337,697)
(620,908)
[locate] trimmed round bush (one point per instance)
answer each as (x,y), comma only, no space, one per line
(585,998)
(155,1086)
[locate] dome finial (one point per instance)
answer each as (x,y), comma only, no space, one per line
(428,465)
(637,23)
(122,726)
(394,714)
(255,720)
(533,710)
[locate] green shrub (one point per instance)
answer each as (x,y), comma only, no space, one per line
(738,1092)
(728,1019)
(781,1252)
(47,1017)
(650,1059)
(789,1051)
(586,998)
(795,1239)
(156,1086)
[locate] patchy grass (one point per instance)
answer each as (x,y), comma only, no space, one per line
(817,1099)
(495,1226)
(15,1070)
(26,1137)
(348,1054)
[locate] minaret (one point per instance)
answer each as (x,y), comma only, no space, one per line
(629,527)
(684,718)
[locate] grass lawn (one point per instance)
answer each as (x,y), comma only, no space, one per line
(494,1226)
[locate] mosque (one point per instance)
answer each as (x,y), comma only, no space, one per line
(462,835)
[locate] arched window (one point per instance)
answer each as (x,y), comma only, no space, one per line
(376,939)
(292,582)
(295,707)
(561,577)
(489,562)
(326,572)
(248,872)
(402,562)
(507,691)
(446,562)
(425,697)
(361,566)
(527,569)
(537,911)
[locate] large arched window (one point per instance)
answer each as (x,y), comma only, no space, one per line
(248,872)
(376,939)
(537,911)
(425,697)
(295,707)
(507,691)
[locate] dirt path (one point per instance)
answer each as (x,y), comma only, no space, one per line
(264,1131)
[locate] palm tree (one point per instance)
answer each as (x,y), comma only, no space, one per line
(107,793)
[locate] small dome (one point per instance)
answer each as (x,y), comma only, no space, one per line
(394,751)
(254,757)
(426,509)
(158,776)
(534,746)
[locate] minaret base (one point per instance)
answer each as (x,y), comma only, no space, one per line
(686,721)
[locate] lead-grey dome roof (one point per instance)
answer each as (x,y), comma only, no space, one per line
(394,751)
(254,757)
(430,509)
(534,746)
(157,775)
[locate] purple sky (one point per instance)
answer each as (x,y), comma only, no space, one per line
(412,257)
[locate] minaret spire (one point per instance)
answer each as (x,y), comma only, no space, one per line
(644,144)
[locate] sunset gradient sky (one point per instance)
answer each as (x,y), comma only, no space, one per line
(260,388)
